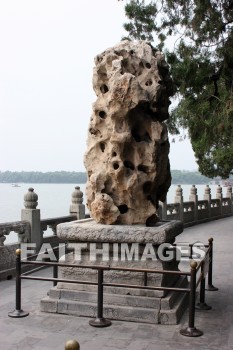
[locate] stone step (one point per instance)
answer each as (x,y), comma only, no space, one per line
(173,315)
(171,298)
(113,290)
(88,309)
(114,299)
(166,310)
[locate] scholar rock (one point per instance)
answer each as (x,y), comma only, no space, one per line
(127,147)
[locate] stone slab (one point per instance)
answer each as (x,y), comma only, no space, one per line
(116,299)
(170,299)
(113,312)
(88,230)
(112,290)
(173,315)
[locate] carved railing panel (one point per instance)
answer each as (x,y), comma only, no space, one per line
(215,207)
(188,215)
(53,222)
(203,209)
(226,206)
(20,227)
(173,211)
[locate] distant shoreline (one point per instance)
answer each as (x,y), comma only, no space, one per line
(184,177)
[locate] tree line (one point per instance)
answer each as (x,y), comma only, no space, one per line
(178,177)
(201,65)
(43,177)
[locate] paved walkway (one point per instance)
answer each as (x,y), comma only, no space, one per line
(40,331)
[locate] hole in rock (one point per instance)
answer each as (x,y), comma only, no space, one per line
(162,144)
(149,82)
(155,116)
(102,114)
(94,131)
(139,135)
(107,186)
(148,65)
(136,135)
(123,208)
(143,168)
(147,187)
(149,198)
(128,172)
(115,166)
(141,67)
(99,58)
(104,89)
(102,146)
(131,52)
(114,154)
(128,164)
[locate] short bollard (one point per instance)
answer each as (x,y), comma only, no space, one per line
(72,345)
(100,321)
(17,313)
(145,279)
(210,286)
(55,268)
(202,304)
(191,330)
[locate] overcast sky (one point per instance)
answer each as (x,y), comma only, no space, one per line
(46,61)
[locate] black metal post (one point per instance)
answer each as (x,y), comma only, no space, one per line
(145,279)
(100,321)
(210,286)
(191,251)
(55,274)
(17,313)
(55,268)
(202,304)
(191,330)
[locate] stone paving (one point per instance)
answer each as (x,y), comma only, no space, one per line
(40,331)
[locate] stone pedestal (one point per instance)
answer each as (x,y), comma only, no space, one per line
(135,246)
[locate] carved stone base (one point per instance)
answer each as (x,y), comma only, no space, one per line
(122,303)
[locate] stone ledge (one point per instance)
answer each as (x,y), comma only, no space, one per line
(173,315)
(89,231)
(114,312)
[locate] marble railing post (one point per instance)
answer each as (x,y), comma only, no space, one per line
(32,215)
(207,197)
(76,206)
(193,197)
(163,206)
(179,199)
(219,196)
(229,195)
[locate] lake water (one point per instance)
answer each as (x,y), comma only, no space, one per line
(54,200)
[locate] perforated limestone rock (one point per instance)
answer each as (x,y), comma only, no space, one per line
(127,147)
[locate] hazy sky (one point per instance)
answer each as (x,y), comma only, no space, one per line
(46,61)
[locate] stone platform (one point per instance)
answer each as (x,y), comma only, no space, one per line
(129,304)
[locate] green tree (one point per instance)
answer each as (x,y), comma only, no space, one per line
(201,62)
